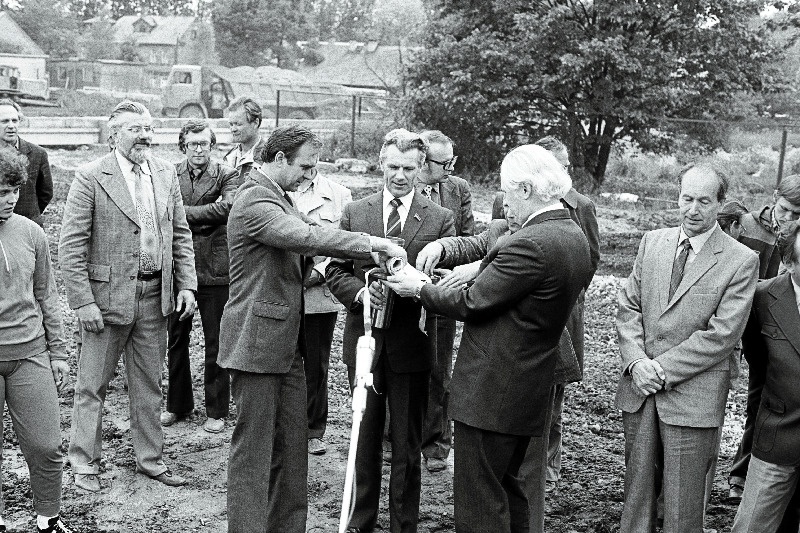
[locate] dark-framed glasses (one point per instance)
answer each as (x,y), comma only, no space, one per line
(449,165)
(205,145)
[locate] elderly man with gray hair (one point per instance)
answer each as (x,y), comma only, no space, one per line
(513,315)
(125,244)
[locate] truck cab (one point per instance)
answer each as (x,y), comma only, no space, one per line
(193,91)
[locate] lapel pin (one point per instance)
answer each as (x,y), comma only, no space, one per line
(416,216)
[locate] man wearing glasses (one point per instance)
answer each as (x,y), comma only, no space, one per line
(207,188)
(125,253)
(437,183)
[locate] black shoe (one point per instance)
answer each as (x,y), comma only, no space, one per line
(54,525)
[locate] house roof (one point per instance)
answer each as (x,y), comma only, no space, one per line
(13,34)
(356,64)
(166,30)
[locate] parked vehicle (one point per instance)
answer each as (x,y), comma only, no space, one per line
(194,91)
(13,86)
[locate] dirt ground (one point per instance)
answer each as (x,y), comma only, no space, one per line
(588,498)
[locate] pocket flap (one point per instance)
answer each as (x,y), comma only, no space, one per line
(271,310)
(99,272)
(773,332)
(774,404)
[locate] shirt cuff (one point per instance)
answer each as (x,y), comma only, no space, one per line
(630,366)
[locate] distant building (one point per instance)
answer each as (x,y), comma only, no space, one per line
(18,50)
(161,42)
(106,74)
(361,65)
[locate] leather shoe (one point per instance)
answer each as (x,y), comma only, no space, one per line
(87,482)
(213,425)
(434,464)
(168,478)
(167,418)
(316,447)
(735,493)
(54,525)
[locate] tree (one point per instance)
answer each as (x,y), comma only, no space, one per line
(344,20)
(589,72)
(399,22)
(252,32)
(48,24)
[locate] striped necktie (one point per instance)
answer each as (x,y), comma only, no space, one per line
(393,228)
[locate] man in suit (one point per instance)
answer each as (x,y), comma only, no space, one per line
(261,341)
(772,337)
(681,314)
(37,191)
(207,188)
(244,119)
(321,200)
(125,251)
(760,233)
(404,353)
(513,315)
(438,185)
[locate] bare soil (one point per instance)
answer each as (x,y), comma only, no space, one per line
(588,498)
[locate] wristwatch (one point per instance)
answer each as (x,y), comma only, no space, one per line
(418,292)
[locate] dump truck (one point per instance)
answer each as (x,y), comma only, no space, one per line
(194,91)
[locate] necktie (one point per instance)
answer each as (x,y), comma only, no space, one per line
(678,266)
(288,199)
(196,173)
(426,191)
(393,228)
(149,238)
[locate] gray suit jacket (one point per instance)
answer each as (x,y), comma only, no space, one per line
(454,195)
(267,241)
(692,335)
(99,248)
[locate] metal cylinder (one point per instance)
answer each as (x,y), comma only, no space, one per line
(381,318)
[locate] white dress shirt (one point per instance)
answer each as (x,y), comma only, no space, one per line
(402,210)
(697,242)
(796,292)
(552,207)
(126,165)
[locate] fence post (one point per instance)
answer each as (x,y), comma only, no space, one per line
(353,129)
(784,138)
(277,107)
(359,106)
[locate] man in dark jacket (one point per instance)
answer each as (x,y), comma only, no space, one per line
(37,191)
(207,188)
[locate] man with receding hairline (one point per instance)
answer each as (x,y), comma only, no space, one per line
(681,314)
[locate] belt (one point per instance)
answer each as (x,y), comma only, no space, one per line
(147,276)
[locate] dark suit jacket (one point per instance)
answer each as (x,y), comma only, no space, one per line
(454,195)
(772,338)
(37,192)
(513,317)
(407,348)
(267,241)
(99,248)
(207,201)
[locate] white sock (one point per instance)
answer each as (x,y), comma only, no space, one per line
(43,522)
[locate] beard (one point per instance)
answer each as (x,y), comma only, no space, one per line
(138,153)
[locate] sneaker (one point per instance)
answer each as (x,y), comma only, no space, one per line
(87,482)
(213,425)
(316,447)
(434,464)
(54,525)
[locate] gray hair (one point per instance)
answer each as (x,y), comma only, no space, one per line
(405,141)
(126,106)
(538,167)
(435,137)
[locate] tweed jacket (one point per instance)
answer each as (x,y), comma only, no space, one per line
(268,242)
(514,314)
(454,195)
(207,202)
(37,192)
(99,248)
(693,334)
(406,347)
(323,204)
(772,338)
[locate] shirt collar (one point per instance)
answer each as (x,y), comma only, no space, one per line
(406,200)
(308,186)
(698,241)
(552,207)
(127,165)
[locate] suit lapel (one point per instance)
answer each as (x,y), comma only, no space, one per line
(446,191)
(666,251)
(375,215)
(706,259)
(161,188)
(113,182)
(416,215)
(783,309)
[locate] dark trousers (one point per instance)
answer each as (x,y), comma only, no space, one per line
(755,384)
(488,494)
(319,335)
(407,396)
(437,434)
(211,301)
(268,463)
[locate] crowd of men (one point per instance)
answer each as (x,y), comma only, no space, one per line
(269,251)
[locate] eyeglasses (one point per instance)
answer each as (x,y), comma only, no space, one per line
(139,129)
(449,165)
(193,146)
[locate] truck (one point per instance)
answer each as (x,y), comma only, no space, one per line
(21,89)
(195,91)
